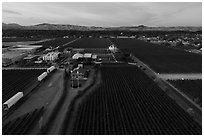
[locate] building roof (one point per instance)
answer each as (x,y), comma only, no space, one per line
(77,55)
(94,56)
(79,70)
(29,46)
(112,48)
(23,48)
(31,57)
(52,54)
(87,55)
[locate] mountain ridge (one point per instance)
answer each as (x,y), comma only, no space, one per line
(48,26)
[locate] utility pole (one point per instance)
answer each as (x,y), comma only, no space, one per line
(72,79)
(78,77)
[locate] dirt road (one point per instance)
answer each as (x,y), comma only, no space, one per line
(182,100)
(57,123)
(192,76)
(43,95)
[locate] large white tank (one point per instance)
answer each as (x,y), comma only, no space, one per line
(42,76)
(12,100)
(50,69)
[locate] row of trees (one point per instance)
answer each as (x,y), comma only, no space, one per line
(75,33)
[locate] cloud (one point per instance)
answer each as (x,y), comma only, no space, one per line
(104,13)
(11,12)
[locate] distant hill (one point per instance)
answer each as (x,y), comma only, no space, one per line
(47,26)
(11,26)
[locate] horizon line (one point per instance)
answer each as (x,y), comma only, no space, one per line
(98,26)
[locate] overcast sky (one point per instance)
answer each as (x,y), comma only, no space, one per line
(104,14)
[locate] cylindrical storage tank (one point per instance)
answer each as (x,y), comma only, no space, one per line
(42,76)
(50,69)
(12,100)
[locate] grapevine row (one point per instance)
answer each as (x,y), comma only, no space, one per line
(129,102)
(21,125)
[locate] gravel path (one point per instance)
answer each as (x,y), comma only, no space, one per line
(192,76)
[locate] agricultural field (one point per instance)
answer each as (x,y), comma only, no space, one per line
(22,124)
(91,43)
(17,80)
(96,51)
(129,102)
(192,88)
(20,39)
(55,42)
(120,56)
(161,59)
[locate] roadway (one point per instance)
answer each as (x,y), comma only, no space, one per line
(181,99)
(40,96)
(190,76)
(56,125)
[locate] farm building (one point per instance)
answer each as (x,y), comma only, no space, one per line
(31,57)
(86,58)
(77,56)
(67,50)
(51,56)
(26,48)
(29,50)
(87,55)
(123,37)
(113,48)
(94,57)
